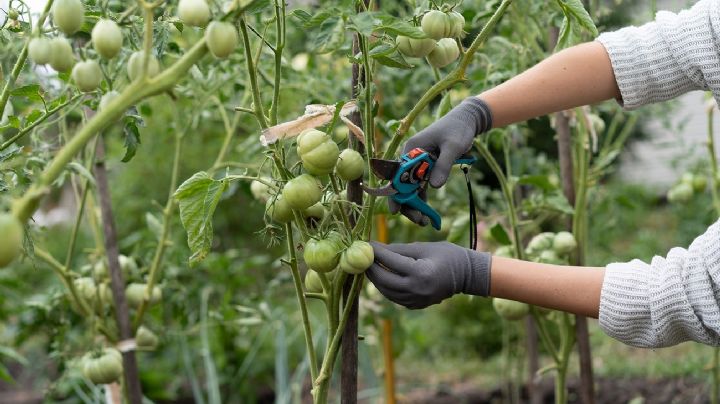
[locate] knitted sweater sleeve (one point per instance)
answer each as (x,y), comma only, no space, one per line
(667,57)
(669,301)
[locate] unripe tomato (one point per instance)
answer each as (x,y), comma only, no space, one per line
(260,190)
(87,75)
(458,23)
(504,251)
(194,12)
(86,288)
(128,266)
(350,165)
(302,192)
(135,294)
(103,368)
(416,48)
(135,65)
(564,243)
(681,192)
(341,133)
(13,14)
(540,242)
(146,339)
(438,25)
(549,257)
(444,53)
(312,282)
(510,309)
(61,54)
(222,38)
(699,183)
(107,99)
(278,210)
(68,15)
(11,238)
(322,255)
(40,50)
(318,152)
(107,38)
(316,211)
(357,258)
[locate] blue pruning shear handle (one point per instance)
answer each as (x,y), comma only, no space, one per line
(408,176)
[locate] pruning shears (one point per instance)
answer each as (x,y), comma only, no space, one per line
(408,176)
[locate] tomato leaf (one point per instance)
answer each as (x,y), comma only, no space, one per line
(330,36)
(499,234)
(132,134)
(31,92)
(540,181)
(197,198)
(577,10)
(395,60)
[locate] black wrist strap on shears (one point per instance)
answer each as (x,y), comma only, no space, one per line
(471,208)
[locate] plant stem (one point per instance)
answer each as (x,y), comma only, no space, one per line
(24,131)
(65,278)
(279,46)
(322,381)
(252,72)
(454,77)
(20,62)
(136,91)
(713,160)
(301,301)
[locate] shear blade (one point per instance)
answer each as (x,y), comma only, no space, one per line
(385,169)
(386,190)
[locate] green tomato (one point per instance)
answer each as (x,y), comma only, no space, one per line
(687,178)
(438,25)
(539,243)
(13,14)
(549,257)
(350,165)
(510,309)
(341,134)
(135,65)
(312,282)
(87,75)
(135,294)
(11,238)
(128,266)
(40,50)
(444,53)
(318,152)
(260,190)
(107,38)
(146,339)
(322,255)
(278,210)
(699,183)
(681,192)
(316,211)
(458,23)
(194,12)
(564,243)
(61,54)
(222,39)
(68,15)
(302,192)
(107,99)
(505,251)
(103,368)
(357,258)
(416,48)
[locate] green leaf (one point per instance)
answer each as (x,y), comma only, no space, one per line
(80,170)
(381,49)
(154,225)
(303,16)
(577,10)
(31,92)
(330,35)
(395,60)
(565,37)
(403,28)
(132,133)
(558,202)
(364,23)
(13,354)
(197,198)
(33,116)
(5,374)
(499,234)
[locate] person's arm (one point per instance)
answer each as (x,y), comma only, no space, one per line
(567,288)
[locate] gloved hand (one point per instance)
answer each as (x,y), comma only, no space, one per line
(448,138)
(418,275)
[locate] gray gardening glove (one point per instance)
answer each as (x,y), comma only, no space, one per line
(448,138)
(418,275)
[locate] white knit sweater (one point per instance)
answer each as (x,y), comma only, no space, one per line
(676,298)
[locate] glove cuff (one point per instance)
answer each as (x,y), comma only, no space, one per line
(478,278)
(475,110)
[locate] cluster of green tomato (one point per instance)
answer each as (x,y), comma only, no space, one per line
(689,185)
(93,287)
(440,46)
(107,40)
(304,194)
(548,248)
